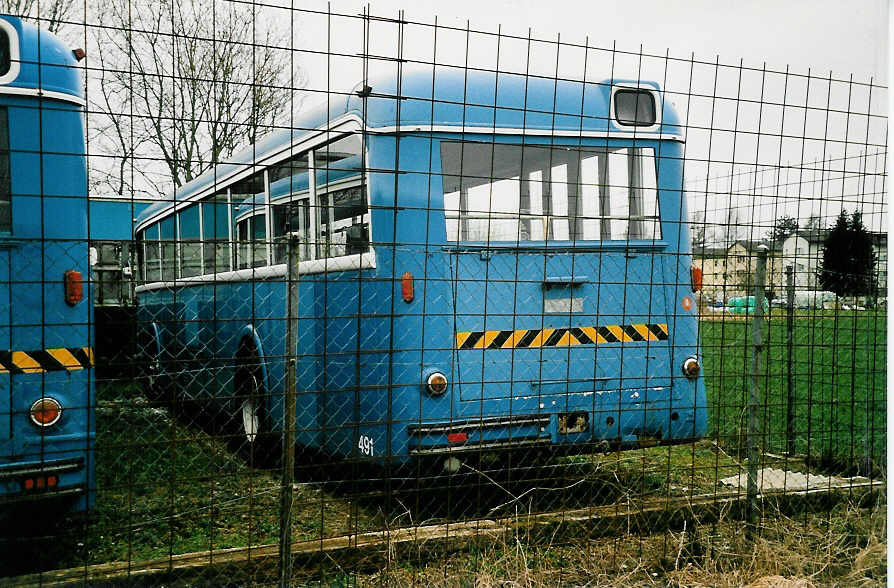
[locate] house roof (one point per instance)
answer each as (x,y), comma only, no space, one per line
(751,246)
(706,251)
(814,235)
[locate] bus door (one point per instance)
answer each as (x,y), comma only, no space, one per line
(558,276)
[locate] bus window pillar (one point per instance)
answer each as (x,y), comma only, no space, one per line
(232,253)
(268,219)
(313,224)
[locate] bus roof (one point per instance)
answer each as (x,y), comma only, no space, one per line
(45,63)
(453,100)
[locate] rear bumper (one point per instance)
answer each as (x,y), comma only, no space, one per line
(641,421)
(484,434)
(12,477)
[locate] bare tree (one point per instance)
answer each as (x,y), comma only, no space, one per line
(184,84)
(49,14)
(699,231)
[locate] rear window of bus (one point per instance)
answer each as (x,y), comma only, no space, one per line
(511,193)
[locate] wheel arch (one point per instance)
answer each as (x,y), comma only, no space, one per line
(250,343)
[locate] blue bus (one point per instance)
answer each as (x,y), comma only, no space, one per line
(486,262)
(46,388)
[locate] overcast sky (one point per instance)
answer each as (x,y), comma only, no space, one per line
(847,37)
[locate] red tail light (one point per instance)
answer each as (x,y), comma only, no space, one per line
(406,287)
(696,278)
(74,287)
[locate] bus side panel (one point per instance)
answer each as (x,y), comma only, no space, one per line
(353,339)
(689,398)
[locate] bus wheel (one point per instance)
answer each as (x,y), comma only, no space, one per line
(155,384)
(259,445)
(251,413)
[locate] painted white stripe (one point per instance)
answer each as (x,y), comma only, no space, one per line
(13,91)
(613,134)
(357,261)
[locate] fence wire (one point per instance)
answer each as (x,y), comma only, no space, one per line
(526,310)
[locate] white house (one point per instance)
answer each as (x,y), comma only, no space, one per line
(804,252)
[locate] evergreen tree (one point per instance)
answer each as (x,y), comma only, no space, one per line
(848,267)
(785,227)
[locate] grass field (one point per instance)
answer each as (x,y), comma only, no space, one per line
(839,372)
(167,486)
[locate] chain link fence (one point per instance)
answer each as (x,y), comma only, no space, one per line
(371,300)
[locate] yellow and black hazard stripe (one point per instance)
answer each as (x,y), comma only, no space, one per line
(46,360)
(561,337)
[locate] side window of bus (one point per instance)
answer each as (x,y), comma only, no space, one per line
(251,246)
(190,243)
(291,217)
(251,227)
(151,254)
(342,204)
(289,181)
(510,193)
(5,54)
(5,178)
(216,233)
(168,237)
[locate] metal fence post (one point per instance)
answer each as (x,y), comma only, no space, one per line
(754,428)
(288,425)
(790,342)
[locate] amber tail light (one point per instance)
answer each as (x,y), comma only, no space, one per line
(74,287)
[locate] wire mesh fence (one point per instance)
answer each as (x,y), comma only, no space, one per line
(406,302)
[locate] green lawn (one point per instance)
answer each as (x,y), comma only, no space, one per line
(838,369)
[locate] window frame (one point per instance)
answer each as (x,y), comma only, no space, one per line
(266,207)
(634,128)
(574,226)
(14,53)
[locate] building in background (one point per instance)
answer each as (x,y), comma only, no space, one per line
(804,252)
(729,271)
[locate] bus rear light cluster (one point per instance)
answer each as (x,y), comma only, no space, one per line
(436,384)
(407,287)
(691,368)
(696,278)
(40,483)
(45,412)
(74,287)
(457,437)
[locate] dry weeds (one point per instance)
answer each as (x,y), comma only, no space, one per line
(844,547)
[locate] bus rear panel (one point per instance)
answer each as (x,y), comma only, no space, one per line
(46,388)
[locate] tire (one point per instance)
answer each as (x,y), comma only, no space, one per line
(156,386)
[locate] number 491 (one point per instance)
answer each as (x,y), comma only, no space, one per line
(365,445)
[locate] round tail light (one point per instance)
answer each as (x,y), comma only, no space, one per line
(45,412)
(691,368)
(436,384)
